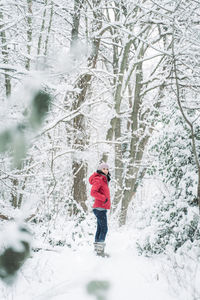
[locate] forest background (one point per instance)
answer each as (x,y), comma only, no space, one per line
(121,80)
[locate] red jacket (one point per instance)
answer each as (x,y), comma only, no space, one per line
(100,190)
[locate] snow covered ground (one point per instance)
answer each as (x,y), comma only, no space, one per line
(70,274)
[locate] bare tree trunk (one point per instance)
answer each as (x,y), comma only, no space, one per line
(130,179)
(29,33)
(139,140)
(79,142)
(79,123)
(76,21)
(78,168)
(14,198)
(19,204)
(42,28)
(49,29)
(4,52)
(115,64)
(120,65)
(117,128)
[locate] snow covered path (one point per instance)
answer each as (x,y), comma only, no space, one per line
(65,275)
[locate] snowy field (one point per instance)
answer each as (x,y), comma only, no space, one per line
(68,274)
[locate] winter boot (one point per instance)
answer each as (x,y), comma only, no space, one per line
(99,248)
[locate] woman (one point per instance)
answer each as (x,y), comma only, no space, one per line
(101,193)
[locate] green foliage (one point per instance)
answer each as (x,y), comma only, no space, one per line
(14,257)
(19,146)
(5,140)
(98,288)
(174,158)
(14,139)
(39,108)
(171,225)
(173,219)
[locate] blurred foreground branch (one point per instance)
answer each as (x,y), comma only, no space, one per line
(17,241)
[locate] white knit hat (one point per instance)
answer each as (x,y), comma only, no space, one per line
(103,166)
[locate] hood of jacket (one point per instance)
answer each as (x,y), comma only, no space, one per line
(96,176)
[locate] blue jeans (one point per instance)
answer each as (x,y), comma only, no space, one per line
(102,227)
